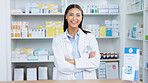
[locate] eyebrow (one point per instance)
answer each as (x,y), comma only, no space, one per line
(72,13)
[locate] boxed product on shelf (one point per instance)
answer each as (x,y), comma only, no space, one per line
(16,11)
(51,57)
(103,8)
(54,73)
(19,73)
(48,8)
(36,32)
(31,73)
(32,58)
(94,29)
(135,5)
(54,28)
(94,9)
(102,71)
(43,73)
(115,28)
(102,31)
(112,70)
(113,8)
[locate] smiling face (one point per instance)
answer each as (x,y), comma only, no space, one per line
(74,18)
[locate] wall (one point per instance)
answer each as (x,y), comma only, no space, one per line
(3,36)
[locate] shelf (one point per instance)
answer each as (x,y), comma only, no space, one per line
(14,38)
(52,14)
(135,39)
(146,9)
(110,60)
(30,61)
(146,40)
(106,37)
(135,12)
(63,14)
(101,13)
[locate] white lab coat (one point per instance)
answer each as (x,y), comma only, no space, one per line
(62,49)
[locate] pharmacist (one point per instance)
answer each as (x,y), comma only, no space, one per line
(76,51)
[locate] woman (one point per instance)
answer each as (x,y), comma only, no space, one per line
(76,51)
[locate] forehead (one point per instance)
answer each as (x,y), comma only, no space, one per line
(74,10)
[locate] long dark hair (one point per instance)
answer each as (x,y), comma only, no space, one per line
(65,20)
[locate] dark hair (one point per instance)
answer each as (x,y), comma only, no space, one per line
(65,20)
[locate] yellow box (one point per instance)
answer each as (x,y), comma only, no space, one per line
(39,27)
(102,31)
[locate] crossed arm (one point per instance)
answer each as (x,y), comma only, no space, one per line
(91,55)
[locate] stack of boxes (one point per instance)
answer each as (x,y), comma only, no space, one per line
(36,32)
(30,54)
(95,29)
(19,28)
(101,71)
(36,8)
(109,30)
(102,8)
(115,28)
(136,32)
(54,28)
(135,5)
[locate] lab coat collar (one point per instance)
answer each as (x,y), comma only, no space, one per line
(80,33)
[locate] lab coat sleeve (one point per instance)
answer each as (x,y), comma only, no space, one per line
(59,60)
(92,63)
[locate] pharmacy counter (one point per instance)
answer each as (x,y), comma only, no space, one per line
(74,81)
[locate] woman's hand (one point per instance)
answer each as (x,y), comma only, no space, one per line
(72,61)
(92,54)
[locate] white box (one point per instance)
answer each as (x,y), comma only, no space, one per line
(113,8)
(112,70)
(51,58)
(18,74)
(54,73)
(32,58)
(42,58)
(31,74)
(103,8)
(42,73)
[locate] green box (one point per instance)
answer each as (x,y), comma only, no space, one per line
(146,37)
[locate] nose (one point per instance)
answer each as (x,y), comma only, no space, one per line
(74,17)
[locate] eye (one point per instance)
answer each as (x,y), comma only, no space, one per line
(70,14)
(78,15)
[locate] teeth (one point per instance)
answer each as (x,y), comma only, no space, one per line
(74,22)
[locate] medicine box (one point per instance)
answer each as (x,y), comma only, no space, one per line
(102,31)
(103,8)
(31,73)
(43,73)
(113,8)
(51,57)
(19,74)
(112,70)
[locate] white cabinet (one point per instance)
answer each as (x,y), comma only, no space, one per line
(140,16)
(106,44)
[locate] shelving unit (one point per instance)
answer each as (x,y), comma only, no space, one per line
(106,44)
(141,17)
(145,45)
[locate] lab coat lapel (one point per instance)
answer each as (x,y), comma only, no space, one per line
(81,41)
(67,42)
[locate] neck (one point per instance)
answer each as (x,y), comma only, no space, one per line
(72,31)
